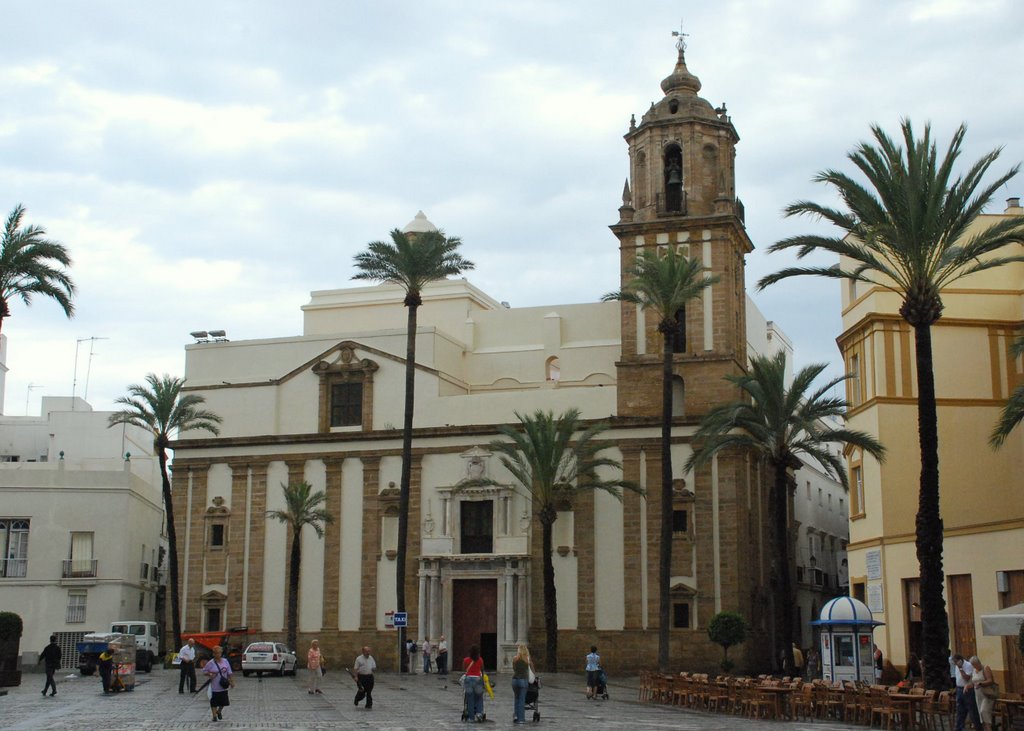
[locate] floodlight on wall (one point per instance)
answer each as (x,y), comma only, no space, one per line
(219,336)
(201,336)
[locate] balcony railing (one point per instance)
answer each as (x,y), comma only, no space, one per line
(78,568)
(13,568)
(672,205)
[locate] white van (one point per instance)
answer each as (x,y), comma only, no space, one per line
(147,640)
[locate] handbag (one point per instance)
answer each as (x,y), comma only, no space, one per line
(531,677)
(990,691)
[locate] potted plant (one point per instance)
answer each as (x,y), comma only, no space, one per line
(10,644)
(727,629)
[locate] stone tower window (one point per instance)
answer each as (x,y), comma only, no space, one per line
(679,332)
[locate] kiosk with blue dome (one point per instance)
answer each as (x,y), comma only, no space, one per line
(846,640)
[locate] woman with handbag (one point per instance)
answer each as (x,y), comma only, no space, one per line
(986,690)
(522,669)
(473,684)
(218,670)
(314,660)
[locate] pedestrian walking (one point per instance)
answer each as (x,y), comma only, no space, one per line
(363,669)
(442,656)
(218,670)
(966,704)
(473,684)
(51,656)
(187,657)
(986,690)
(314,664)
(426,650)
(593,666)
(521,666)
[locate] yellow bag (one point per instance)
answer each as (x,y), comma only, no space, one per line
(487,686)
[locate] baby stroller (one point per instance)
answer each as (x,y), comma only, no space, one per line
(533,698)
(602,684)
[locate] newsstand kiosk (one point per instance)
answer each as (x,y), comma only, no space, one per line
(847,648)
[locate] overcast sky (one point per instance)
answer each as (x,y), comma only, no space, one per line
(208,164)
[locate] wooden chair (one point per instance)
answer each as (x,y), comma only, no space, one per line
(802,703)
(720,696)
(934,711)
(882,708)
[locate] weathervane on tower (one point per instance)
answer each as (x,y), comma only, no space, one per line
(681,43)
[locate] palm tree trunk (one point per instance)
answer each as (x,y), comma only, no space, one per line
(172,547)
(784,595)
(547,520)
(665,539)
(294,572)
(934,622)
(404,487)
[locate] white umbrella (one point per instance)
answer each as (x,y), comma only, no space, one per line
(1004,622)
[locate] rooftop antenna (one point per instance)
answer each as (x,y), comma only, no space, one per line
(28,392)
(74,382)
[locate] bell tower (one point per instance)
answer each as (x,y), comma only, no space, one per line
(681,192)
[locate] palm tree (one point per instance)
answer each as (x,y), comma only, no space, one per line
(780,425)
(411,260)
(29,265)
(664,284)
(302,507)
(906,231)
(549,467)
(1013,410)
(162,410)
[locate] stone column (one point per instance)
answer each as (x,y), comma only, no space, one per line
(332,543)
(257,544)
(509,623)
(370,544)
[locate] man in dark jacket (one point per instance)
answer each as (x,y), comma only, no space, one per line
(51,656)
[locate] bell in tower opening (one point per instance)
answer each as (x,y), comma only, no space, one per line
(675,196)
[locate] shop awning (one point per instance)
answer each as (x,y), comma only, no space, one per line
(1004,622)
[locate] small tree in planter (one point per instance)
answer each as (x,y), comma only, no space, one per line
(727,629)
(10,643)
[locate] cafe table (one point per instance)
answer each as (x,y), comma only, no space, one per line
(908,706)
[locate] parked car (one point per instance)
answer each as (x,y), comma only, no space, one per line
(268,657)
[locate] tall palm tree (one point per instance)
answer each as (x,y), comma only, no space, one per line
(664,284)
(1013,411)
(162,410)
(411,260)
(29,264)
(780,425)
(906,231)
(302,507)
(550,467)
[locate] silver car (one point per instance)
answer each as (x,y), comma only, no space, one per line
(268,657)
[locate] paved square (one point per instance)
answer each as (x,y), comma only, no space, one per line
(400,702)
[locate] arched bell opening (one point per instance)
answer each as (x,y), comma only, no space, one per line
(675,199)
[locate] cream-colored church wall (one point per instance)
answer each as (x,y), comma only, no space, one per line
(351,552)
(500,407)
(962,362)
(609,574)
(566,570)
(275,552)
(311,579)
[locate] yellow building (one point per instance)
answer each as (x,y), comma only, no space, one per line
(982,501)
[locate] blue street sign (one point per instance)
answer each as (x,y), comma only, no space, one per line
(401,619)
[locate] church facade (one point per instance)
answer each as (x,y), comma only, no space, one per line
(326,406)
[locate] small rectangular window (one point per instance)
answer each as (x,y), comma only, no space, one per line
(680,521)
(346,404)
(76,607)
(212,619)
(217,534)
(681,615)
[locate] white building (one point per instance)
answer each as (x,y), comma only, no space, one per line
(80,524)
(820,507)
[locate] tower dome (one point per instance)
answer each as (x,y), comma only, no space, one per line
(680,80)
